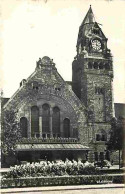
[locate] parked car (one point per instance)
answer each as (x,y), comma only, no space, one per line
(101,164)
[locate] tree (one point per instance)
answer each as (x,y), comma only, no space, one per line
(116,135)
(10,132)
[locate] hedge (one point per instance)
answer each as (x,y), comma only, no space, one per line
(47,168)
(60,180)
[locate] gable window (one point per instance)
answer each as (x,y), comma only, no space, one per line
(66,127)
(35,85)
(56,120)
(45,118)
(23,126)
(35,121)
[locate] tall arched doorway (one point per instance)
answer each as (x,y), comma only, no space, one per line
(45,119)
(23,126)
(66,127)
(35,121)
(56,122)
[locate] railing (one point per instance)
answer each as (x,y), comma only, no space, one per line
(45,135)
(48,140)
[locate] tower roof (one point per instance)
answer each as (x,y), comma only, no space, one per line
(89,18)
(87,24)
(86,29)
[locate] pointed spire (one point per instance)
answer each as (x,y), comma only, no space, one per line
(89,18)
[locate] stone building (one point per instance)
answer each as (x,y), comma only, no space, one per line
(60,119)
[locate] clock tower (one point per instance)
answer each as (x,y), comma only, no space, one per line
(92,76)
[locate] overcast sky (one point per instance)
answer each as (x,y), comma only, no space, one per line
(35,28)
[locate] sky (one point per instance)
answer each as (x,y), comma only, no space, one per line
(32,29)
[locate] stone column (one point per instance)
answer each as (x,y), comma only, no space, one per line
(50,122)
(29,124)
(61,125)
(40,121)
(61,129)
(27,115)
(71,130)
(40,126)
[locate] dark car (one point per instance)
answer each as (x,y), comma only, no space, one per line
(101,164)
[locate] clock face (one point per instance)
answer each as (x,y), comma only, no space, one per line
(96,45)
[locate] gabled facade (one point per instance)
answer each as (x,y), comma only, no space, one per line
(44,98)
(58,121)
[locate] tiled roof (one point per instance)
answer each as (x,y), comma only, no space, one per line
(25,147)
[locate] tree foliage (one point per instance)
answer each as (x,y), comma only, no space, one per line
(116,134)
(10,131)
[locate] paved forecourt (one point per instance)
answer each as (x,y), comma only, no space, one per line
(66,189)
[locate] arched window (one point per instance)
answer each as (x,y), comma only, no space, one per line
(45,118)
(56,121)
(35,121)
(23,126)
(66,128)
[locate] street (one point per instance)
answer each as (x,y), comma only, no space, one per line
(85,191)
(78,191)
(90,191)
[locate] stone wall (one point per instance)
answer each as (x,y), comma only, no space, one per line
(95,88)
